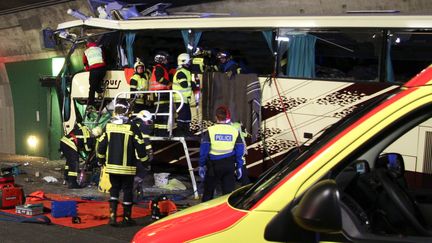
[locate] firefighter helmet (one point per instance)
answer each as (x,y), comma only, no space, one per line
(121,107)
(183,59)
(223,54)
(138,63)
(161,57)
(145,115)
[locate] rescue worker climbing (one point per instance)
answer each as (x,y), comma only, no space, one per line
(117,148)
(139,82)
(183,83)
(79,140)
(94,62)
(227,64)
(160,80)
(221,153)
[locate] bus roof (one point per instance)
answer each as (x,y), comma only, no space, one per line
(192,22)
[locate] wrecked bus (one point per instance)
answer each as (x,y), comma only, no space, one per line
(305,72)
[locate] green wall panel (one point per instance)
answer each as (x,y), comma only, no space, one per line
(33,108)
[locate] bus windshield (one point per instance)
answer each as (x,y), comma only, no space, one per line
(249,196)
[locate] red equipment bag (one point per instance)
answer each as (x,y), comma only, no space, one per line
(7,179)
(11,195)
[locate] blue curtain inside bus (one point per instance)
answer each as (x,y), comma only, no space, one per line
(196,36)
(66,94)
(130,38)
(389,65)
(301,56)
(268,36)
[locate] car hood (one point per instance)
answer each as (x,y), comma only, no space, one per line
(195,222)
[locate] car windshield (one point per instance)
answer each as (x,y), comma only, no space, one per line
(247,197)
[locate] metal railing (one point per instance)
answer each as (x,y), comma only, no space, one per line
(170,112)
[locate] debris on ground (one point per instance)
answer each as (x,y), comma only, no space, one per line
(50,179)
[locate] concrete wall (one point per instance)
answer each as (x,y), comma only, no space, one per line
(20,41)
(311,7)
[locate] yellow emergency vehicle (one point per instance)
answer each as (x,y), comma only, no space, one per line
(349,185)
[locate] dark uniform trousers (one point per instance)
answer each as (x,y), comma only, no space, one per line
(161,121)
(72,160)
(219,171)
(122,182)
(184,120)
(96,83)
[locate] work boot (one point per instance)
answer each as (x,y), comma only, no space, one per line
(72,182)
(127,216)
(113,213)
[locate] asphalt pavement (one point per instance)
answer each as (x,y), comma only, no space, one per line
(33,170)
(13,232)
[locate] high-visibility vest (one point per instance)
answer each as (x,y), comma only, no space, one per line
(142,84)
(154,84)
(78,138)
(94,55)
(222,138)
(186,92)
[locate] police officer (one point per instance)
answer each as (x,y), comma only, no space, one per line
(139,82)
(160,80)
(183,83)
(116,149)
(77,141)
(221,151)
(94,62)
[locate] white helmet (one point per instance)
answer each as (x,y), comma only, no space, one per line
(183,59)
(161,57)
(96,131)
(145,115)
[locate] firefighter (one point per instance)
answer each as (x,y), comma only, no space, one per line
(183,83)
(117,148)
(94,62)
(221,156)
(160,80)
(139,82)
(144,121)
(79,140)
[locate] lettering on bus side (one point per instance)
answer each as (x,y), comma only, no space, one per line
(112,83)
(223,137)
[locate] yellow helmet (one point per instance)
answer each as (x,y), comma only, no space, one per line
(138,63)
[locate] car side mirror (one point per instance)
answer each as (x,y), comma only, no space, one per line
(319,210)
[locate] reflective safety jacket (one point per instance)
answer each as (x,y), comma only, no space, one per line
(139,82)
(159,79)
(146,129)
(219,142)
(79,139)
(197,64)
(182,78)
(93,57)
(117,146)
